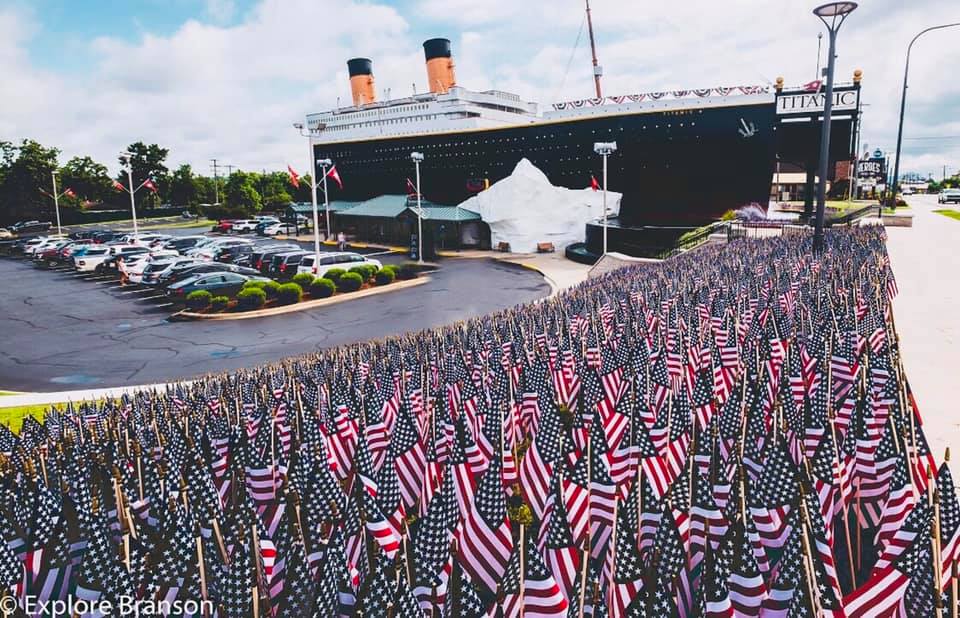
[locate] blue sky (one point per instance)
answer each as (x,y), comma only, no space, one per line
(226,78)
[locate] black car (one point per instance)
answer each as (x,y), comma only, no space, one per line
(262,263)
(230,254)
(26,227)
(203,268)
(183,243)
(106,236)
(284,265)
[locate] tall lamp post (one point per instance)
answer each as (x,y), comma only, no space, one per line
(903,103)
(417,158)
(605,149)
(133,204)
(324,163)
(56,200)
(832,15)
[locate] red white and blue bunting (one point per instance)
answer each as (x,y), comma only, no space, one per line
(722,91)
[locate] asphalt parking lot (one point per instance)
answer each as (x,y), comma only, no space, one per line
(62,330)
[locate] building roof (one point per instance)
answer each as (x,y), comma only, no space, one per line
(386,206)
(452,214)
(305,208)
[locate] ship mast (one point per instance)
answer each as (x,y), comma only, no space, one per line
(597,69)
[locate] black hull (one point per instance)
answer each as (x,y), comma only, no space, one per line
(681,167)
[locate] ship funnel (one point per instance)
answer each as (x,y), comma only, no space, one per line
(439,65)
(361,80)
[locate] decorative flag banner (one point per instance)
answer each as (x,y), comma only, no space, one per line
(332,173)
(294,177)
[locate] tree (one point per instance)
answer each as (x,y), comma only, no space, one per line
(146,162)
(183,187)
(24,177)
(242,196)
(275,190)
(87,178)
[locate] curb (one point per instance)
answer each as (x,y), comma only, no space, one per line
(554,288)
(186,316)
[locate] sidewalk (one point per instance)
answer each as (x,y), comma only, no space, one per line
(926,263)
(559,272)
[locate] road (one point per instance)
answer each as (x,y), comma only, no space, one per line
(62,331)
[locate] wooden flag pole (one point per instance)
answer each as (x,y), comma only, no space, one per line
(203,574)
(523,549)
(935,544)
(953,588)
(807,555)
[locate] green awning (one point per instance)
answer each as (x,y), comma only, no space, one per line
(450,214)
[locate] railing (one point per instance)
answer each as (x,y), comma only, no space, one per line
(855,215)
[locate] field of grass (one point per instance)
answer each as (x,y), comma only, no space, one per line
(13,417)
(948,212)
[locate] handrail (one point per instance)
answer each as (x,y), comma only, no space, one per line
(855,215)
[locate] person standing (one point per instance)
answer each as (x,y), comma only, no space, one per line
(341,241)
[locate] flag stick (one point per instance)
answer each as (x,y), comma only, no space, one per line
(807,555)
(953,588)
(523,549)
(203,574)
(219,538)
(934,492)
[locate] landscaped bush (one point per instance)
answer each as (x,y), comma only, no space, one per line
(385,276)
(272,288)
(219,303)
(364,270)
(322,288)
(289,293)
(349,282)
(408,270)
(333,274)
(198,299)
(391,267)
(303,280)
(251,298)
(253,283)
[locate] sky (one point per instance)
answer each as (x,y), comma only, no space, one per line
(227,79)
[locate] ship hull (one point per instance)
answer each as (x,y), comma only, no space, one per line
(676,167)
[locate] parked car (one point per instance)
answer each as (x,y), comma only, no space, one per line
(66,252)
(5,233)
(133,266)
(91,258)
(344,259)
(223,226)
(242,226)
(110,263)
(154,270)
(183,243)
(217,283)
(106,236)
(231,253)
(178,272)
(263,223)
(290,229)
(948,196)
(27,227)
(48,255)
(209,250)
(284,265)
(41,244)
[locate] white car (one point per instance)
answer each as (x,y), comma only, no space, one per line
(39,244)
(345,260)
(280,228)
(209,250)
(92,258)
(241,226)
(134,266)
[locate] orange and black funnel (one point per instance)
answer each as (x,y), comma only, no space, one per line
(439,65)
(361,80)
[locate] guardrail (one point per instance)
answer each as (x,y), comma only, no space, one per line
(855,215)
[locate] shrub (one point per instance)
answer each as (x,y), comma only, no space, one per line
(349,282)
(364,270)
(198,299)
(219,303)
(322,288)
(391,267)
(303,280)
(730,215)
(334,273)
(385,276)
(289,293)
(253,283)
(251,298)
(408,270)
(272,288)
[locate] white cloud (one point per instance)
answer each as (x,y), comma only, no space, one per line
(232,91)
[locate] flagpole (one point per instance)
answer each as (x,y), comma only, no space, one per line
(131,191)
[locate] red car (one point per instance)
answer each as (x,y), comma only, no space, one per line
(223,226)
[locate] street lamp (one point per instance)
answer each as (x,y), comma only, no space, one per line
(417,158)
(133,205)
(903,102)
(605,149)
(56,200)
(832,15)
(324,164)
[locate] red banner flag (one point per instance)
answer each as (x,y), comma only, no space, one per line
(118,186)
(294,177)
(411,189)
(813,86)
(69,192)
(149,185)
(594,184)
(335,176)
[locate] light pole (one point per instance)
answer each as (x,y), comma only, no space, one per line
(832,15)
(417,158)
(56,201)
(133,205)
(605,149)
(324,164)
(903,103)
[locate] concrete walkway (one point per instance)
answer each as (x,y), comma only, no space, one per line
(926,263)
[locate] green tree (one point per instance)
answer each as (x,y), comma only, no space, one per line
(87,178)
(242,196)
(146,162)
(24,177)
(184,190)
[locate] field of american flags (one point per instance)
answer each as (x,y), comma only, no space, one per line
(727,433)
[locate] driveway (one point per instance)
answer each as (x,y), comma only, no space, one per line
(61,331)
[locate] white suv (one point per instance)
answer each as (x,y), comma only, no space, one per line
(241,226)
(344,260)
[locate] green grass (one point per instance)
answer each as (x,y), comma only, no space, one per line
(13,417)
(949,212)
(5,393)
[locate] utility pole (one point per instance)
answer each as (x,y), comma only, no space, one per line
(216,184)
(229,170)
